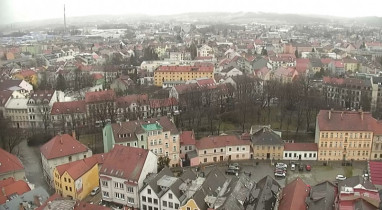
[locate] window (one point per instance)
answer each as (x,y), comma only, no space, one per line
(176,206)
(70,158)
(165,135)
(174,149)
(230,149)
(64,179)
(149,191)
(144,198)
(66,187)
(120,196)
(205,160)
(174,139)
(150,200)
(237,148)
(166,145)
(144,207)
(164,203)
(221,150)
(105,194)
(69,180)
(130,200)
(170,205)
(205,151)
(188,208)
(130,189)
(155,201)
(70,189)
(286,154)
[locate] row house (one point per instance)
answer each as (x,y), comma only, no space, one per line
(267,144)
(76,179)
(68,116)
(350,93)
(59,150)
(121,182)
(39,107)
(183,73)
(101,107)
(158,135)
(16,110)
(282,60)
(222,148)
(132,107)
(345,135)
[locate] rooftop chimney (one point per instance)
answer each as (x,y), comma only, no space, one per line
(74,134)
(330,114)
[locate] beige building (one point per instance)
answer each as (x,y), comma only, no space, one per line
(222,148)
(267,144)
(345,135)
(16,110)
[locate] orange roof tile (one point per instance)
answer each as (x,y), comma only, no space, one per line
(99,96)
(300,147)
(9,162)
(61,146)
(187,138)
(293,195)
(77,168)
(68,107)
(220,141)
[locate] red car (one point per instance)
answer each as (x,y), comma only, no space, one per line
(308,167)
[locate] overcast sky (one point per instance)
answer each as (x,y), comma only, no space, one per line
(24,10)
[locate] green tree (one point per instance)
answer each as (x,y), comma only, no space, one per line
(61,83)
(163,161)
(193,51)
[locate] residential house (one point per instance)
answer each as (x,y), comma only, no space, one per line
(187,145)
(199,190)
(282,60)
(355,192)
(293,195)
(39,107)
(76,179)
(29,76)
(345,135)
(183,73)
(132,107)
(122,84)
(351,65)
(68,116)
(285,75)
(300,151)
(121,180)
(22,87)
(267,144)
(322,196)
(205,51)
(159,135)
(222,148)
(231,72)
(101,107)
(264,195)
(61,149)
(16,110)
(10,189)
(163,107)
(31,199)
(11,166)
(336,67)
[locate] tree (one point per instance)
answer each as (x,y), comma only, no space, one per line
(163,161)
(43,82)
(61,83)
(9,137)
(296,53)
(193,51)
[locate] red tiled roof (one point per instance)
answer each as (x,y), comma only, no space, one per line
(20,187)
(205,82)
(115,164)
(187,138)
(100,157)
(61,146)
(300,147)
(157,103)
(293,196)
(27,73)
(126,101)
(220,141)
(338,64)
(97,76)
(9,162)
(77,168)
(68,107)
(347,121)
(326,60)
(99,96)
(6,182)
(334,81)
(185,69)
(375,168)
(185,87)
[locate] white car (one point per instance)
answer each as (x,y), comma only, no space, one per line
(340,177)
(281,165)
(94,191)
(280,174)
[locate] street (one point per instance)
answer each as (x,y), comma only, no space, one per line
(31,159)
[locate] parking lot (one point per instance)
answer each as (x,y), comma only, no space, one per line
(318,173)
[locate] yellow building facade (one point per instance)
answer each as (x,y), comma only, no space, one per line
(345,135)
(29,76)
(182,73)
(267,144)
(77,179)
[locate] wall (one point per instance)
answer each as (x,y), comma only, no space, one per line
(90,180)
(305,155)
(17,175)
(261,151)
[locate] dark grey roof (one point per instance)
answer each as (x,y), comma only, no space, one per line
(266,136)
(27,198)
(187,176)
(315,62)
(153,181)
(361,204)
(262,62)
(264,195)
(321,196)
(354,181)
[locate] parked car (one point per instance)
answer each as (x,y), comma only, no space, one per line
(280,171)
(308,167)
(301,167)
(94,191)
(340,177)
(292,167)
(281,165)
(234,166)
(280,174)
(231,172)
